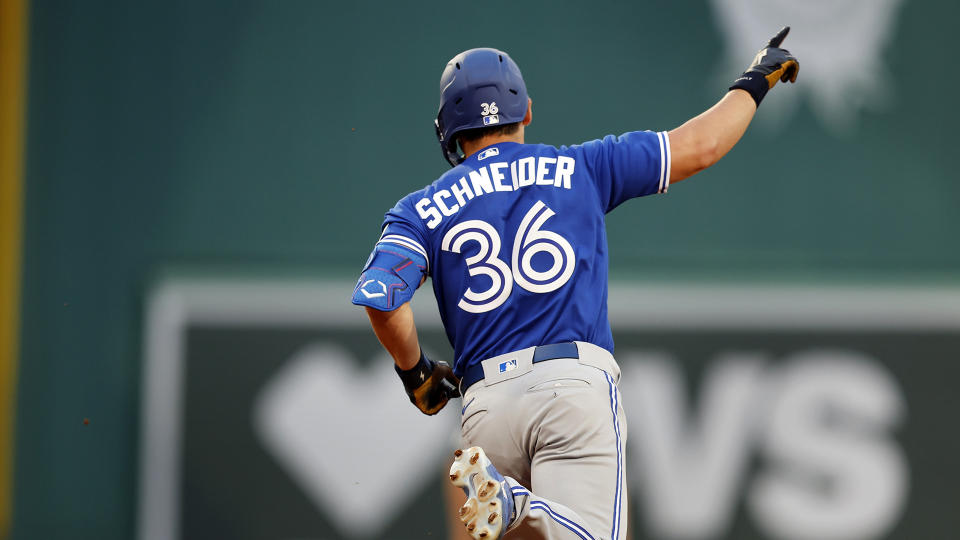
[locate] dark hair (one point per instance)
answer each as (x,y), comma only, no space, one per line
(472,135)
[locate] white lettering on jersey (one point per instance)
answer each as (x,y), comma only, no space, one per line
(429,213)
(530,240)
(529,171)
(525,172)
(438,198)
(564,171)
(481,181)
(498,177)
(542,171)
(460,189)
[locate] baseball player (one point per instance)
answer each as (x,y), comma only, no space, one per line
(513,237)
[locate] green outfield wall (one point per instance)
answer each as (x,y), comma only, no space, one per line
(169,142)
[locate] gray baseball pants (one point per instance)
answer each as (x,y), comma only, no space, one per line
(557,431)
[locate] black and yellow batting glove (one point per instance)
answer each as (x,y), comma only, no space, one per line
(429,384)
(770,65)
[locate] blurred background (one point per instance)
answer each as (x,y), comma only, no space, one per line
(189,190)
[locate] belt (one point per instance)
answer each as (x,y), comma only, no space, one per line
(541,354)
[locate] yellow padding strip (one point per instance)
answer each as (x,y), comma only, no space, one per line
(13,24)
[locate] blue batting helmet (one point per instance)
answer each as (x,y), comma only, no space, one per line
(478,88)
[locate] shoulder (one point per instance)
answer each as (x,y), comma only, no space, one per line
(407,204)
(608,141)
(417,210)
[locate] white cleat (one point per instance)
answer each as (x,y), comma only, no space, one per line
(488,495)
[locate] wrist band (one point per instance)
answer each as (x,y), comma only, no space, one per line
(754,83)
(412,378)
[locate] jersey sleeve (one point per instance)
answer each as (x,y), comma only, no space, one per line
(396,267)
(634,164)
(400,228)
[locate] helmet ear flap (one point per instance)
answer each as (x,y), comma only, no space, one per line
(449,151)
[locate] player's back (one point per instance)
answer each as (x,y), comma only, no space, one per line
(516,242)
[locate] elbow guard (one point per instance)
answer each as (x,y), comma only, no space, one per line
(391,276)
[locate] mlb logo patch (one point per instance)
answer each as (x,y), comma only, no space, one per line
(492,119)
(489,152)
(508,365)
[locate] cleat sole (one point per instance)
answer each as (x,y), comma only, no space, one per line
(468,510)
(469,472)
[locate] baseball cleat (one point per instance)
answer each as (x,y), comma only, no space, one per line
(488,495)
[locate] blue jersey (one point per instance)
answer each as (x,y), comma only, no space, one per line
(515,243)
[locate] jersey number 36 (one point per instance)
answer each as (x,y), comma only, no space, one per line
(529,241)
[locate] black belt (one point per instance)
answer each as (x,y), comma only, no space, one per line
(541,354)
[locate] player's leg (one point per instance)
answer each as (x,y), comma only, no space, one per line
(578,466)
(555,428)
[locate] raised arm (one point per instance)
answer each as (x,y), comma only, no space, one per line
(703,140)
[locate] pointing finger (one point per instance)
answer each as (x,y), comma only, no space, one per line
(776,40)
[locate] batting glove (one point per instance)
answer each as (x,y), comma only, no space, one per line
(771,63)
(429,384)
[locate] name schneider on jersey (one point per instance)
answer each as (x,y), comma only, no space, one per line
(637,164)
(496,176)
(398,263)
